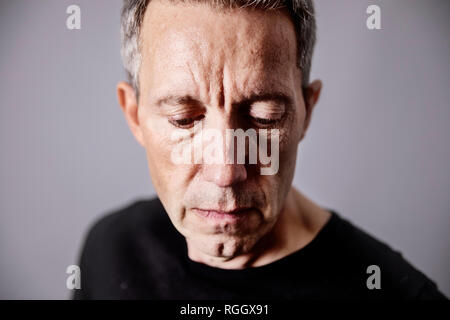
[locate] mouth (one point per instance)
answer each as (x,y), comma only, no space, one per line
(233,215)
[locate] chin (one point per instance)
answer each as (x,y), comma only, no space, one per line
(227,247)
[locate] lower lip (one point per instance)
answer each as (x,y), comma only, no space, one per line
(217,215)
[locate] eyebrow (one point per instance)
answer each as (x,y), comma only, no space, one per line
(177,99)
(276,96)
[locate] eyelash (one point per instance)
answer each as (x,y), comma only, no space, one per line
(181,123)
(187,123)
(264,121)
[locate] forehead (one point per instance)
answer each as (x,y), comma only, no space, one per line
(182,43)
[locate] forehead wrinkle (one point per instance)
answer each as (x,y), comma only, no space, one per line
(251,57)
(271,44)
(201,59)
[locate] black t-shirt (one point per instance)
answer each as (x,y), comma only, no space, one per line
(136,253)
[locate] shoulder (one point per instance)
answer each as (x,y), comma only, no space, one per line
(140,222)
(135,216)
(123,245)
(358,250)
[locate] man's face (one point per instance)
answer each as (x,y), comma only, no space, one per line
(227,70)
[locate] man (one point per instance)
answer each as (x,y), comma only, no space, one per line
(223,227)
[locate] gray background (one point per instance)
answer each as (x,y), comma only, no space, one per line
(377,150)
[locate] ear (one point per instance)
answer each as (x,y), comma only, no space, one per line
(128,103)
(311,95)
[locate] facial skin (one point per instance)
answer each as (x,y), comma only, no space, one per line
(228,69)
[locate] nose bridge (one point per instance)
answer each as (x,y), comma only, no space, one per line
(222,87)
(220,168)
(224,171)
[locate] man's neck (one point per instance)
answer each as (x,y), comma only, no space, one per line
(299,222)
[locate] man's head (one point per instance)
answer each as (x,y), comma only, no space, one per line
(301,11)
(226,67)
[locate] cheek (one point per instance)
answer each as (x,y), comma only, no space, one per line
(158,144)
(274,189)
(158,153)
(169,179)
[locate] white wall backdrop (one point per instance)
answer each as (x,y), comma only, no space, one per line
(377,150)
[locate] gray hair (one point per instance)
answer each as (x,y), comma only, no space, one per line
(302,13)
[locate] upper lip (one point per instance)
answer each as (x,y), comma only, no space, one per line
(233,211)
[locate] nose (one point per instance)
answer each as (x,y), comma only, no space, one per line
(225,175)
(223,172)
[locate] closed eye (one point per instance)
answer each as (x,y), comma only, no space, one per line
(185,123)
(264,121)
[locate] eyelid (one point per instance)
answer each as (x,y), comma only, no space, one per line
(182,112)
(270,110)
(174,121)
